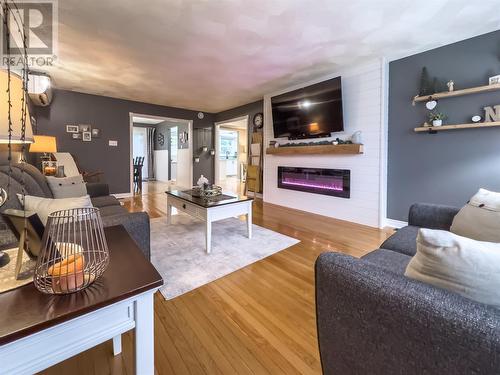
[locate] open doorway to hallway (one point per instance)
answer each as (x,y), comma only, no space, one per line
(231,154)
(161,153)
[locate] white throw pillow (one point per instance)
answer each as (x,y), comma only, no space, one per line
(480,218)
(45,206)
(67,187)
(462,265)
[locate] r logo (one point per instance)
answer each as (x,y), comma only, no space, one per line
(39,19)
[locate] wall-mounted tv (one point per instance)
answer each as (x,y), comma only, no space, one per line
(310,112)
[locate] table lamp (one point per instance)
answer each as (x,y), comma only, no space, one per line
(45,144)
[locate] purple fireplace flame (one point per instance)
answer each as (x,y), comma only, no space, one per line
(334,182)
(328,185)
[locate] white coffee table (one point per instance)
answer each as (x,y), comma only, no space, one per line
(211,210)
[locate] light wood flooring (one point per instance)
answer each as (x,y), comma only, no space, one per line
(257,320)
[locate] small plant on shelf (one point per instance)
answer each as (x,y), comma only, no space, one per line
(437,118)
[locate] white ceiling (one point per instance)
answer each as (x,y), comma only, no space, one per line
(212,55)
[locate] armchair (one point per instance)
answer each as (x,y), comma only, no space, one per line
(371,319)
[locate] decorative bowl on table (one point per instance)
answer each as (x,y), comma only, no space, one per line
(74,251)
(206,191)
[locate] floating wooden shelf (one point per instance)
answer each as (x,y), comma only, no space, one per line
(320,149)
(457,126)
(451,94)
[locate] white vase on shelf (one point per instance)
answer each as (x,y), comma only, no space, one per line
(437,122)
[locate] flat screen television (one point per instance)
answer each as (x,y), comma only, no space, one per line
(310,112)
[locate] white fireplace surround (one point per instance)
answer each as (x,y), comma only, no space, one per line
(364,91)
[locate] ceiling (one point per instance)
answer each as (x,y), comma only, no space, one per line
(211,55)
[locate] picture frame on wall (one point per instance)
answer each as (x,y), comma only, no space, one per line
(76,135)
(86,136)
(96,133)
(72,129)
(85,128)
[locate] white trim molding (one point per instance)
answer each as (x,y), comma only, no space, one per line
(394,223)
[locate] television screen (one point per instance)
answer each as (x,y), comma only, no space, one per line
(310,112)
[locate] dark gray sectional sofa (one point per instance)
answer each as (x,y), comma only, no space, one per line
(371,319)
(112,213)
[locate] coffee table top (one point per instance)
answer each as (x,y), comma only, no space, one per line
(25,310)
(231,198)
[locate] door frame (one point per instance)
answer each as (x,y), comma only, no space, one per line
(164,118)
(217,126)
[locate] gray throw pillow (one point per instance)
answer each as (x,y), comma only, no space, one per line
(459,264)
(67,187)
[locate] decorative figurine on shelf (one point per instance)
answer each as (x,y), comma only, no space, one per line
(450,85)
(431,104)
(492,114)
(356,138)
(476,119)
(425,84)
(436,118)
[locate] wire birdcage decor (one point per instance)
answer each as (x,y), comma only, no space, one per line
(74,251)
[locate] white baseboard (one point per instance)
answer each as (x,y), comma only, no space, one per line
(255,195)
(122,195)
(394,223)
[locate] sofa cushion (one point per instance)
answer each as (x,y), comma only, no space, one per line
(104,201)
(458,264)
(389,260)
(403,241)
(112,210)
(67,187)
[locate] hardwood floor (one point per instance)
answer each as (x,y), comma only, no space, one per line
(257,320)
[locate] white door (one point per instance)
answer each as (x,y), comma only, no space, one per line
(140,147)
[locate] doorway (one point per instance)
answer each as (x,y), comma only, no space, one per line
(165,144)
(231,154)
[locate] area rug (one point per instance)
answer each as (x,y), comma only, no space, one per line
(178,250)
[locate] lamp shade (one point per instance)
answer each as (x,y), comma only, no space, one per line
(43,143)
(16,96)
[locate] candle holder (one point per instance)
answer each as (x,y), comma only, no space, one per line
(74,251)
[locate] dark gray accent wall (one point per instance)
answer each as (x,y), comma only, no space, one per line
(203,137)
(112,117)
(450,166)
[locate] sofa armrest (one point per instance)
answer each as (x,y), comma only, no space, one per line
(433,216)
(137,225)
(97,189)
(373,321)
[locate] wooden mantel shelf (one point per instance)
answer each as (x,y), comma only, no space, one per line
(450,94)
(348,149)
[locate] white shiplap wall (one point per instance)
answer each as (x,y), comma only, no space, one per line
(363,100)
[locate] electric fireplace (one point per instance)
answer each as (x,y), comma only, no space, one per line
(336,182)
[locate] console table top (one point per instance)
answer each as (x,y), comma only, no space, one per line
(25,310)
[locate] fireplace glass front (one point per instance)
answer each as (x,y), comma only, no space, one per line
(335,182)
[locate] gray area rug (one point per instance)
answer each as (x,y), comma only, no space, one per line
(178,250)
